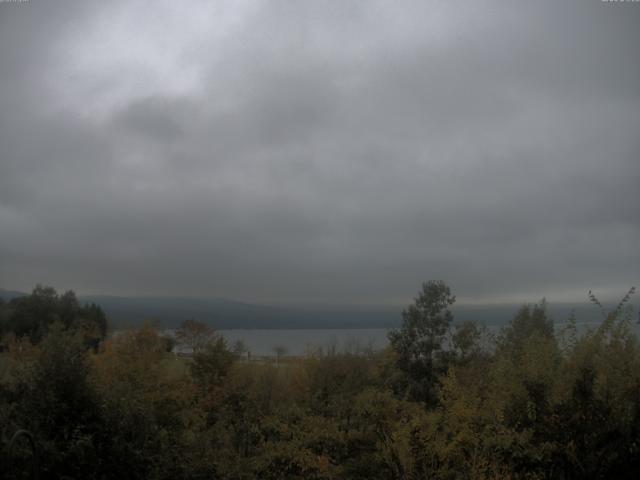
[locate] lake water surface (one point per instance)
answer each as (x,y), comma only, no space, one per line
(300,342)
(303,341)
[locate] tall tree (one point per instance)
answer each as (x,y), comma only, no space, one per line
(418,344)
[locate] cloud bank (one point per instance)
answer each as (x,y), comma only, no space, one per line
(330,152)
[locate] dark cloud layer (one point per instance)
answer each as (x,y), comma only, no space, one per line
(320,151)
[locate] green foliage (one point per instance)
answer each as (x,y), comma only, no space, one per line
(419,342)
(146,407)
(33,315)
(194,336)
(525,406)
(212,362)
(530,321)
(51,396)
(469,343)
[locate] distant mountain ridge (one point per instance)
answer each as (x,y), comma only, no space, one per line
(9,294)
(230,314)
(168,312)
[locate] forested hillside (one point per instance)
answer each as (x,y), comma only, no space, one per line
(445,400)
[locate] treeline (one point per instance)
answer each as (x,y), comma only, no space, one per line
(32,316)
(443,401)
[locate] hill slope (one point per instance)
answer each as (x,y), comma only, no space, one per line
(228,314)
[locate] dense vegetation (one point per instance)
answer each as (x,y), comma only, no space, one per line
(443,401)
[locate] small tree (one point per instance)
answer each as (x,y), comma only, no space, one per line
(279,350)
(239,348)
(418,343)
(194,335)
(211,365)
(529,321)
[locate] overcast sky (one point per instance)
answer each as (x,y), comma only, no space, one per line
(325,151)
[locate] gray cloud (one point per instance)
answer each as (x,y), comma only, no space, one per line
(320,151)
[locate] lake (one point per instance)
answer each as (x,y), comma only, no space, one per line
(300,342)
(303,341)
(262,342)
